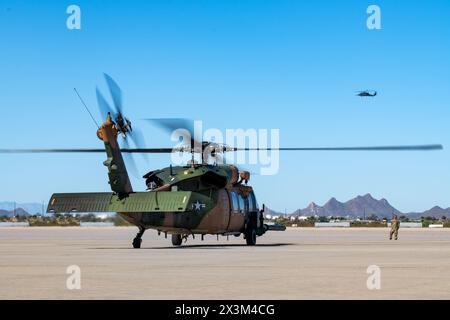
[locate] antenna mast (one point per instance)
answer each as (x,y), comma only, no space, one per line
(85,106)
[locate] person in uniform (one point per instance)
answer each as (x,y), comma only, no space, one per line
(395,225)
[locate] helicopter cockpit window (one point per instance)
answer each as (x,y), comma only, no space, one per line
(213,179)
(152,185)
(242,204)
(189,185)
(153,182)
(235,203)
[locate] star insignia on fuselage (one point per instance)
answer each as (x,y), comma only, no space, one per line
(197,205)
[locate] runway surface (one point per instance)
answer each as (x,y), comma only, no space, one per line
(296,264)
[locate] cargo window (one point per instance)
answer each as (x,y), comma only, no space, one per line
(252,204)
(234,201)
(242,206)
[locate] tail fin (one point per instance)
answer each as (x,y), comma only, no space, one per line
(117,171)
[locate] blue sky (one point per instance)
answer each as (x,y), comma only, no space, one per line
(292,65)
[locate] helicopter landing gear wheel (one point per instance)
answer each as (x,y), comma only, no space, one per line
(177,240)
(138,240)
(250,237)
(250,230)
(137,243)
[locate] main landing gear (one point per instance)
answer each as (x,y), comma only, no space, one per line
(138,240)
(177,240)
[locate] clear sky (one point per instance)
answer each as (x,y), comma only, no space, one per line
(292,65)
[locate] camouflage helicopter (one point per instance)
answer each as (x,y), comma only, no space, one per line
(366,93)
(194,199)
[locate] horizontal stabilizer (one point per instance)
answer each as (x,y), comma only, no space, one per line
(79,202)
(109,202)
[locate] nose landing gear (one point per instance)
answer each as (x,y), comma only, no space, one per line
(250,237)
(250,230)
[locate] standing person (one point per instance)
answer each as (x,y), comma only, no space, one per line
(395,225)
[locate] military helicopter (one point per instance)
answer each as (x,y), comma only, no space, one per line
(366,93)
(193,199)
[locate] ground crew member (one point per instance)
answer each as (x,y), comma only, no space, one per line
(395,225)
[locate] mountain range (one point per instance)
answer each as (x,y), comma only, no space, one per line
(362,206)
(7,208)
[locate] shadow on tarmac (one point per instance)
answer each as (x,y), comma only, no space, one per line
(202,246)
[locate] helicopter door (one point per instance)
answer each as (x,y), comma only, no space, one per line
(253,208)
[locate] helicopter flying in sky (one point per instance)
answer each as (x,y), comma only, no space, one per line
(366,93)
(198,198)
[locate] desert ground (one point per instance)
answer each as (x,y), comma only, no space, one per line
(295,264)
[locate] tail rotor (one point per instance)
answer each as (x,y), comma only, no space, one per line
(122,123)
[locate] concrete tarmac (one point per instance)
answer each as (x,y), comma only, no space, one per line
(296,264)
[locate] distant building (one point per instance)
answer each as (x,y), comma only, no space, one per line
(96,224)
(408,224)
(332,224)
(14,224)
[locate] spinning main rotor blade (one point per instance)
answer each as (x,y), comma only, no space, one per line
(171,124)
(427,147)
(125,150)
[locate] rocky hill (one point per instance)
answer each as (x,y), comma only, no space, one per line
(363,206)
